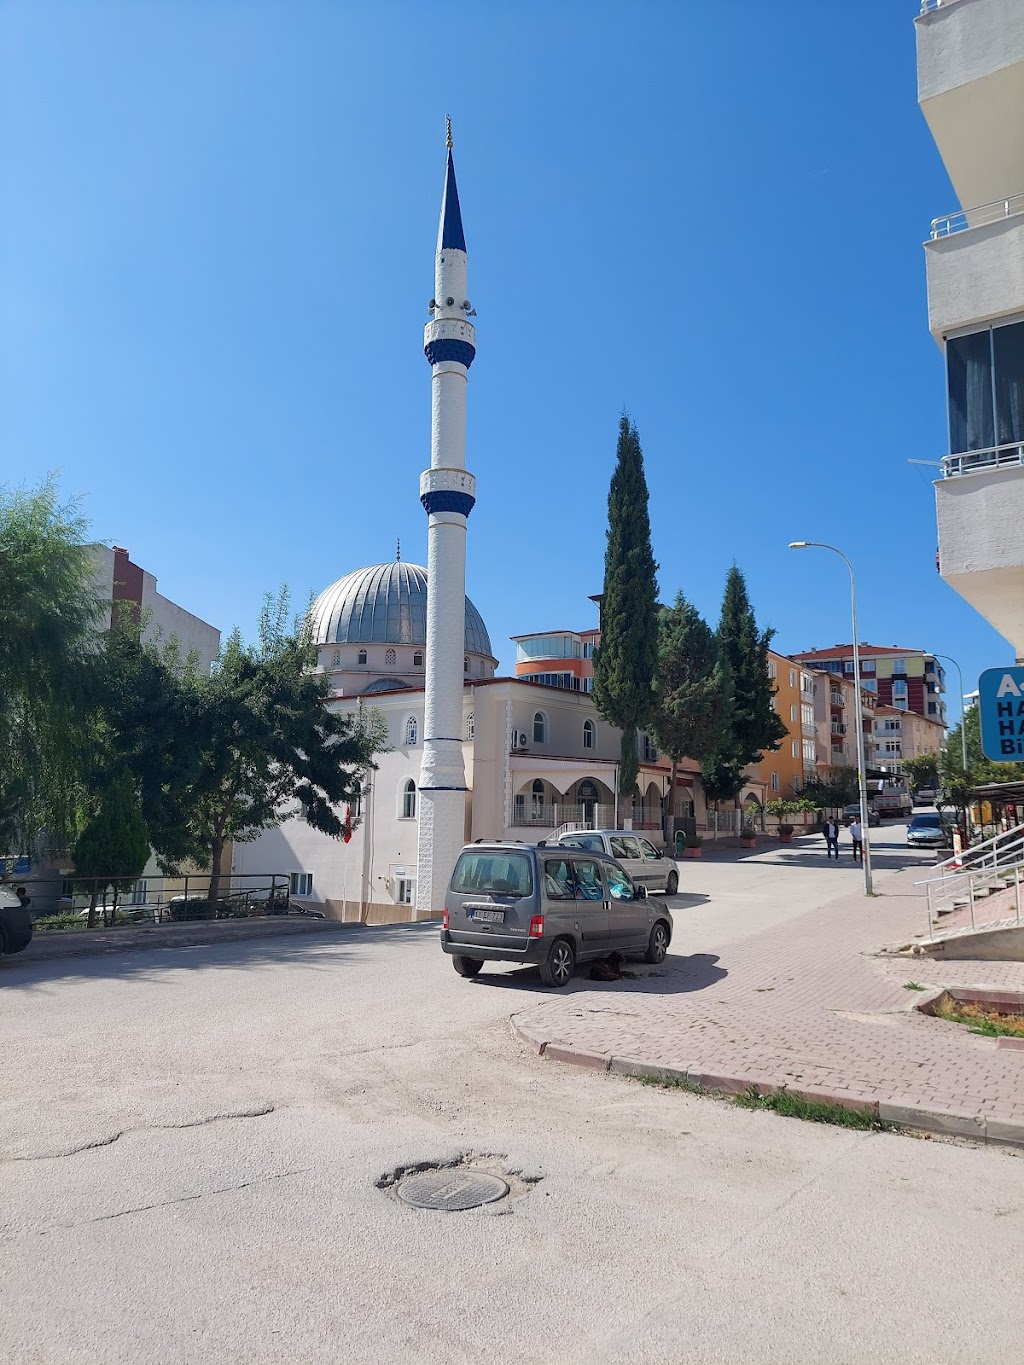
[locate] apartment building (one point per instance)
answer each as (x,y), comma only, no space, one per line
(785,772)
(561,658)
(970,72)
(910,679)
(900,735)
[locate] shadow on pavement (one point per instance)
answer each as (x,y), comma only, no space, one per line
(678,975)
(320,950)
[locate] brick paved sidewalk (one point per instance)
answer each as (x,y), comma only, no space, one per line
(809,1006)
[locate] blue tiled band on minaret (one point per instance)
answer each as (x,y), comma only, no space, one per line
(446,349)
(447,500)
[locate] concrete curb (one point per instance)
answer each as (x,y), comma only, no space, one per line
(80,943)
(897,1113)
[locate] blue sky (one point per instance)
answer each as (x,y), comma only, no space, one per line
(217,248)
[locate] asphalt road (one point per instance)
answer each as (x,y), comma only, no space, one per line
(190,1141)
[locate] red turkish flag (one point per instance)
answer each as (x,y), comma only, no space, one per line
(346,829)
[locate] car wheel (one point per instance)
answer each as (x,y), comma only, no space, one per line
(557,968)
(468,966)
(672,884)
(657,945)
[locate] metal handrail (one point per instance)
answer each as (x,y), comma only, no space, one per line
(977,866)
(980,216)
(977,461)
(930,6)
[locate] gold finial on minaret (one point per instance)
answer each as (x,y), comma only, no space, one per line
(448,131)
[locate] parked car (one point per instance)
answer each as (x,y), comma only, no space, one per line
(15,923)
(925,796)
(549,905)
(636,854)
(852,813)
(929,830)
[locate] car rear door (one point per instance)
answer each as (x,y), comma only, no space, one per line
(625,848)
(628,917)
(591,923)
(655,869)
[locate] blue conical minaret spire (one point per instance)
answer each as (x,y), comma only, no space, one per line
(449,232)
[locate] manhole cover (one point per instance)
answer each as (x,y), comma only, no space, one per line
(451,1190)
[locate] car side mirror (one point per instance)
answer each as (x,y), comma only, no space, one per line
(640,892)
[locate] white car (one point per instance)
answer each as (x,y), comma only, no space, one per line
(637,856)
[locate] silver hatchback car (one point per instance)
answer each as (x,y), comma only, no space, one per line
(636,854)
(547,905)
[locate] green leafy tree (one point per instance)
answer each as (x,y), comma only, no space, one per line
(113,848)
(923,770)
(692,699)
(264,744)
(755,724)
(50,611)
(626,659)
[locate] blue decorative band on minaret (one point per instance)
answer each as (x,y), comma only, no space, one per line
(446,349)
(447,500)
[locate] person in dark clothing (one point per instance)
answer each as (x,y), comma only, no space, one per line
(23,896)
(831,833)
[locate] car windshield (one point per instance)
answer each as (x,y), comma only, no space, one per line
(496,874)
(591,841)
(925,822)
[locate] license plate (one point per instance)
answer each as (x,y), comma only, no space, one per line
(492,916)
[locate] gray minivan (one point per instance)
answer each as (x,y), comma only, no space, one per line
(636,854)
(547,905)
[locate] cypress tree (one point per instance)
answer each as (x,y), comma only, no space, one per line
(113,848)
(755,724)
(626,660)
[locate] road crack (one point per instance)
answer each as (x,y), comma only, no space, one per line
(254,1112)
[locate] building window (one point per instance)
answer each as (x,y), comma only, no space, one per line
(588,650)
(932,708)
(300,883)
(589,734)
(793,717)
(361,656)
(537,799)
(417,659)
(807,713)
(794,749)
(465,665)
(411,731)
(899,689)
(540,728)
(775,782)
(809,752)
(471,726)
(847,665)
(390,657)
(409,799)
(901,704)
(650,750)
(792,677)
(899,666)
(772,671)
(405,891)
(336,659)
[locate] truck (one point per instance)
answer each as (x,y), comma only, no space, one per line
(890,796)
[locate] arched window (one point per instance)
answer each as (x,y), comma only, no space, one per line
(336,659)
(465,665)
(540,728)
(589,734)
(411,730)
(417,659)
(471,726)
(362,656)
(409,800)
(390,657)
(537,799)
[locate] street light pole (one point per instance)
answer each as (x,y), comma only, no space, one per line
(862,775)
(963,727)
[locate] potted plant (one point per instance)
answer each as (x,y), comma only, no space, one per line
(748,837)
(692,846)
(780,809)
(786,834)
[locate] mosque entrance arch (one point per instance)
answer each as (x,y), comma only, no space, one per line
(587,795)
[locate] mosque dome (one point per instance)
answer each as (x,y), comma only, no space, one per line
(385,604)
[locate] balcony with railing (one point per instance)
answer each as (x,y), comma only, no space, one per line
(983,461)
(836,699)
(838,727)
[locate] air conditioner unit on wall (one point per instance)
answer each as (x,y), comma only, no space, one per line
(520,740)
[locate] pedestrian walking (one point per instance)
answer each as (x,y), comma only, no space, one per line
(857,835)
(831,832)
(23,896)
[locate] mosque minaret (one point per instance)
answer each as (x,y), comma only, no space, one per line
(447,492)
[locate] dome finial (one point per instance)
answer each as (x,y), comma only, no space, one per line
(448,131)
(398,550)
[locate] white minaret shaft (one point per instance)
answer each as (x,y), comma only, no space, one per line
(448,493)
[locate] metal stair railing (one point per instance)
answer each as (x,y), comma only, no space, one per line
(978,872)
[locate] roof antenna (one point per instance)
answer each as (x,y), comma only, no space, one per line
(398,550)
(448,131)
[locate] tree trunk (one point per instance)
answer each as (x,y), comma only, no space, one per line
(90,923)
(216,854)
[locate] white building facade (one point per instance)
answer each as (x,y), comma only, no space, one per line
(970,58)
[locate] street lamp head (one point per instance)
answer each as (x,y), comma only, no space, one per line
(799,544)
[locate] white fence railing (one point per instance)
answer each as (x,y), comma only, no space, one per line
(978,461)
(981,216)
(976,875)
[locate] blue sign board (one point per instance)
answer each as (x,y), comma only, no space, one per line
(1001,709)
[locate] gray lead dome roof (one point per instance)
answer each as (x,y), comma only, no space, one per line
(385,604)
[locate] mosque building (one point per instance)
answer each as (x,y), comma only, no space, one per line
(466,754)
